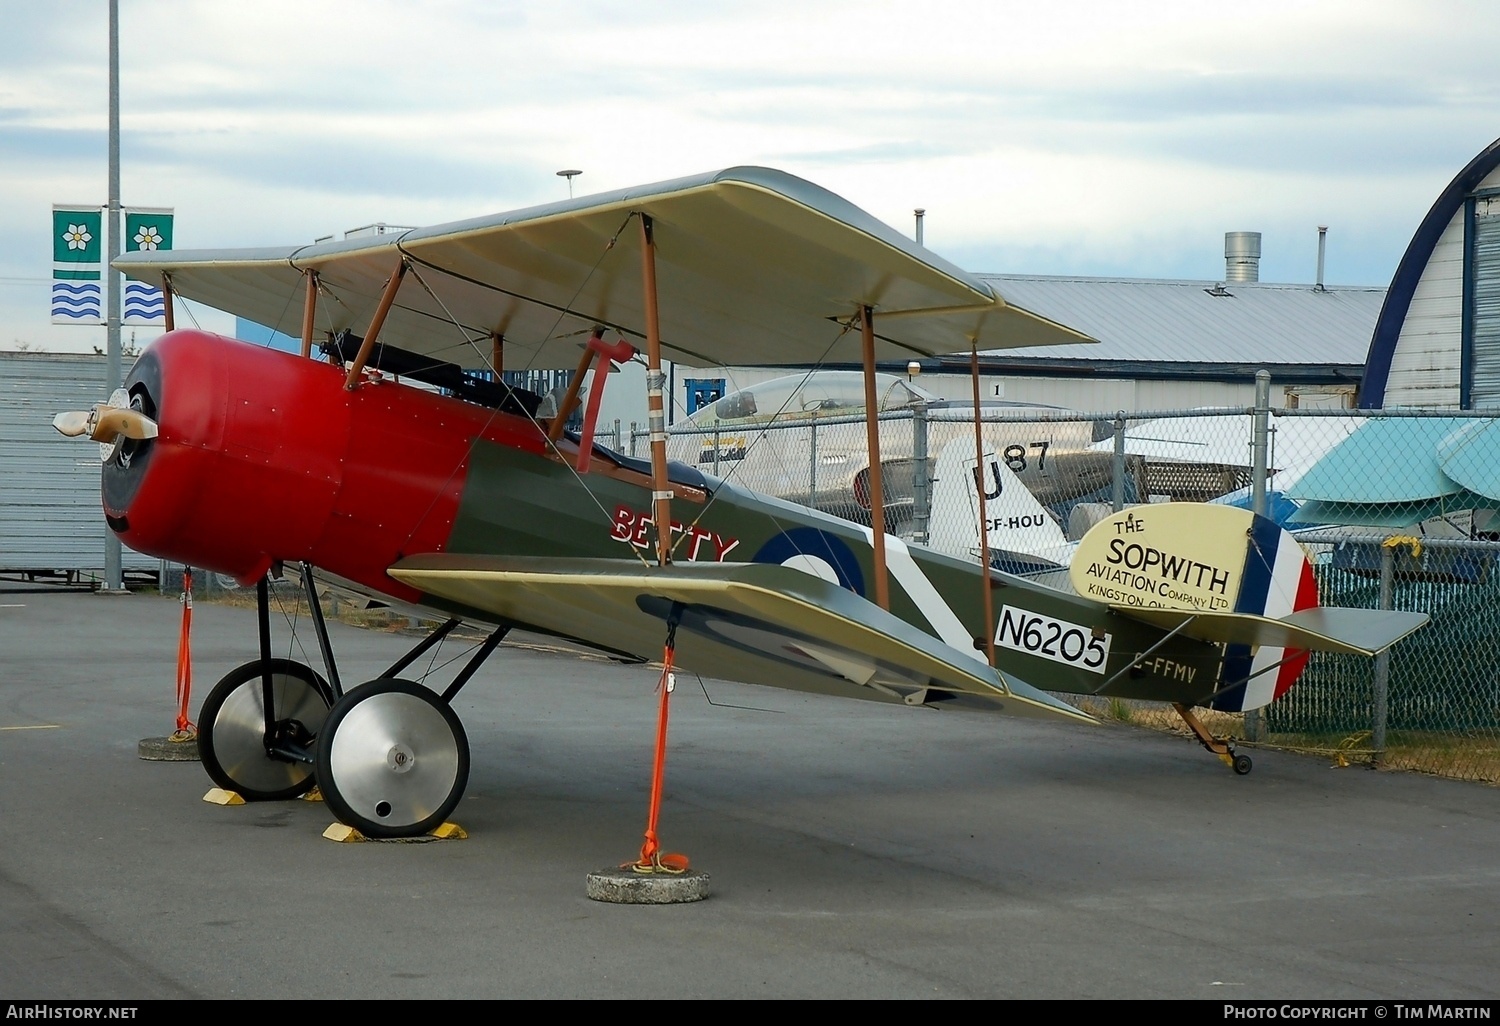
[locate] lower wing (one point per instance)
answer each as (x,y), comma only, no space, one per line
(749,622)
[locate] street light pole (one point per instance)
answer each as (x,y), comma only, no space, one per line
(113,575)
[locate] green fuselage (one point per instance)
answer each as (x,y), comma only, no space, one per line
(515,503)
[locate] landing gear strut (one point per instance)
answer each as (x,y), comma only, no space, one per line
(257,727)
(393,759)
(391,756)
(1223,747)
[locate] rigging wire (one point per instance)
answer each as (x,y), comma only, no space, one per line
(846,327)
(187,309)
(284,308)
(292,618)
(563,312)
(455,657)
(727,705)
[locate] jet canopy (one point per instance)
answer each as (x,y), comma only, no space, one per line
(815,394)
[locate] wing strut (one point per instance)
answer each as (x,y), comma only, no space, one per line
(309,308)
(651,859)
(661,492)
(872,433)
(984,517)
(387,299)
(570,398)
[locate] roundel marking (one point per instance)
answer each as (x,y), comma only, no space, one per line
(815,552)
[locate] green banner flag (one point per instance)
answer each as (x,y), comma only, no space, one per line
(77,265)
(148,228)
(77,242)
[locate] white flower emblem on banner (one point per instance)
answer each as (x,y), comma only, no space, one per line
(148,237)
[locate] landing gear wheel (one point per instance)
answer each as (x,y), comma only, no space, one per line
(1242,764)
(232,730)
(393,760)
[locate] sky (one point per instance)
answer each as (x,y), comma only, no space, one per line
(1069,137)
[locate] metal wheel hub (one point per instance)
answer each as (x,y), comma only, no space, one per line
(239,731)
(393,758)
(400,759)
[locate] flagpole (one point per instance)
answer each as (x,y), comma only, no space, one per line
(113,577)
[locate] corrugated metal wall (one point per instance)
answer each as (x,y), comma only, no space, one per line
(1425,367)
(1484,390)
(49,485)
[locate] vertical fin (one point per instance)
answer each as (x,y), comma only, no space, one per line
(1020,526)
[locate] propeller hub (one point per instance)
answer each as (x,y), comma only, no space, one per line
(108,422)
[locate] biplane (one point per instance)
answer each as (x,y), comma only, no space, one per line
(469,498)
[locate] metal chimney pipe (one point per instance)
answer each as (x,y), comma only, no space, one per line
(920,212)
(1322,248)
(1241,256)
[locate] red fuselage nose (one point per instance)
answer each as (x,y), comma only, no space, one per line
(264,456)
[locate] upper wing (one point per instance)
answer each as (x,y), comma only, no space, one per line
(753,267)
(751,622)
(1320,629)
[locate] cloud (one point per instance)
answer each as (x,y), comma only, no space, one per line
(1072,137)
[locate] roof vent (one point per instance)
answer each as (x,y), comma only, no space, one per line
(1322,249)
(1242,256)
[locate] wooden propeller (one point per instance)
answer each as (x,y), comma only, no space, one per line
(104,423)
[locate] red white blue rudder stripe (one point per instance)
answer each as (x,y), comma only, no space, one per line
(1278,580)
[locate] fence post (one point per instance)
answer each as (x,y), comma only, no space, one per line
(1260,435)
(616,446)
(1119,490)
(920,497)
(812,463)
(1260,441)
(1381,684)
(716,448)
(632,438)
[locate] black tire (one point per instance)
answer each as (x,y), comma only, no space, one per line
(231,730)
(1242,764)
(393,760)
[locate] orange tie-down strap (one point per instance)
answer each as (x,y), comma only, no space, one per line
(653,859)
(186,731)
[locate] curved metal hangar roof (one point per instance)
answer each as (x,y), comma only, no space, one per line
(1437,342)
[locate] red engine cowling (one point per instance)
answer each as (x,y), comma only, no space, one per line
(263,456)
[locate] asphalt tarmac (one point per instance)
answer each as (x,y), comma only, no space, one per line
(854,850)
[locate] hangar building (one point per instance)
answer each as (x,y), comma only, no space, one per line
(1163,345)
(1437,340)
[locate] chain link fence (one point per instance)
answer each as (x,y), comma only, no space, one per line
(1396,509)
